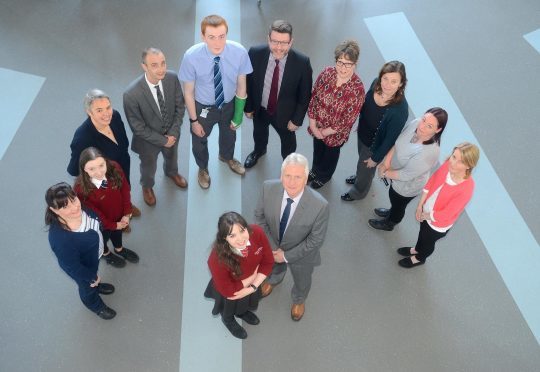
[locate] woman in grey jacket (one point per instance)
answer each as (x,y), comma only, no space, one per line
(408,165)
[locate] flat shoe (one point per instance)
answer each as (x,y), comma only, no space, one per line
(249,318)
(351,179)
(128,255)
(106,313)
(236,329)
(405,251)
(408,264)
(114,260)
(382,212)
(347,197)
(105,288)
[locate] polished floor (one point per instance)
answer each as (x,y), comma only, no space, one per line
(364,313)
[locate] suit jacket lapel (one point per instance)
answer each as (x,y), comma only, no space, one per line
(149,97)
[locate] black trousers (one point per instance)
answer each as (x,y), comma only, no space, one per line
(425,245)
(325,160)
(261,123)
(115,236)
(398,205)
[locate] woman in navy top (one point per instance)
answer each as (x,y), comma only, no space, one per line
(76,240)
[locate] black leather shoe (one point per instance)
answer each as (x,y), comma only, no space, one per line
(351,179)
(252,158)
(236,329)
(317,184)
(249,318)
(347,197)
(407,263)
(383,224)
(405,251)
(105,288)
(114,260)
(128,255)
(106,313)
(382,212)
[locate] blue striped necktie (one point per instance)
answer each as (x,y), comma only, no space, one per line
(218,84)
(104,184)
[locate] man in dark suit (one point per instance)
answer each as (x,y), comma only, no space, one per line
(154,108)
(279,90)
(295,219)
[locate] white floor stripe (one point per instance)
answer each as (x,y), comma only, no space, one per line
(206,345)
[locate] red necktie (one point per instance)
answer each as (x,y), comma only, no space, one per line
(272,98)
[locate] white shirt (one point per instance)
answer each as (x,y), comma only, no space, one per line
(154,90)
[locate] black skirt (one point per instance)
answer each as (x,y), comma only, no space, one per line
(228,308)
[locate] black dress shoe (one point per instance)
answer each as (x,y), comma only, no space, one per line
(249,318)
(105,288)
(236,329)
(407,263)
(347,197)
(317,184)
(382,212)
(106,313)
(383,224)
(405,251)
(252,158)
(351,179)
(128,255)
(114,260)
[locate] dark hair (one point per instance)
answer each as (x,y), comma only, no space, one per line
(280,26)
(393,66)
(150,50)
(83,180)
(349,49)
(58,196)
(442,118)
(224,252)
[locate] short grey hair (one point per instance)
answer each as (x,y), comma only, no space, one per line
(92,95)
(295,159)
(148,51)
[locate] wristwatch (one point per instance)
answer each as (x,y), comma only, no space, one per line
(191,121)
(254,287)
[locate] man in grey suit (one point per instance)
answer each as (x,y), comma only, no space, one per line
(295,219)
(154,108)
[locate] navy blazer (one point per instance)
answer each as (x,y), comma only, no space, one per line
(88,136)
(294,92)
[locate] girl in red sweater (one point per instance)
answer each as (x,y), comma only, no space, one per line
(240,261)
(103,187)
(444,198)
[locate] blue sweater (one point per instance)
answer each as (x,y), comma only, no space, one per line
(77,252)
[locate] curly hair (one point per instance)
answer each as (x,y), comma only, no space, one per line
(223,249)
(113,175)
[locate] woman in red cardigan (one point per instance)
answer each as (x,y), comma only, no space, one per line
(445,196)
(103,187)
(240,261)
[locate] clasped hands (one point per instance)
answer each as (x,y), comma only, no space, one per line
(247,290)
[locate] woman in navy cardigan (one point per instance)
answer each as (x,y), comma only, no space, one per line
(76,240)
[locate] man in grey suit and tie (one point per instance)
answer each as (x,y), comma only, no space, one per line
(154,108)
(295,219)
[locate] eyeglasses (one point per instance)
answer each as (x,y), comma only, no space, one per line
(280,43)
(345,64)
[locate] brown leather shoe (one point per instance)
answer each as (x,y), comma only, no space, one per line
(234,165)
(135,212)
(266,289)
(148,196)
(203,178)
(297,311)
(179,181)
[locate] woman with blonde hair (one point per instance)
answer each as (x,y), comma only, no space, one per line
(444,198)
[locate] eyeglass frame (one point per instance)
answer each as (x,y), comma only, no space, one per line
(347,65)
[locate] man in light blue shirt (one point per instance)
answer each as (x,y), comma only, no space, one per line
(214,77)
